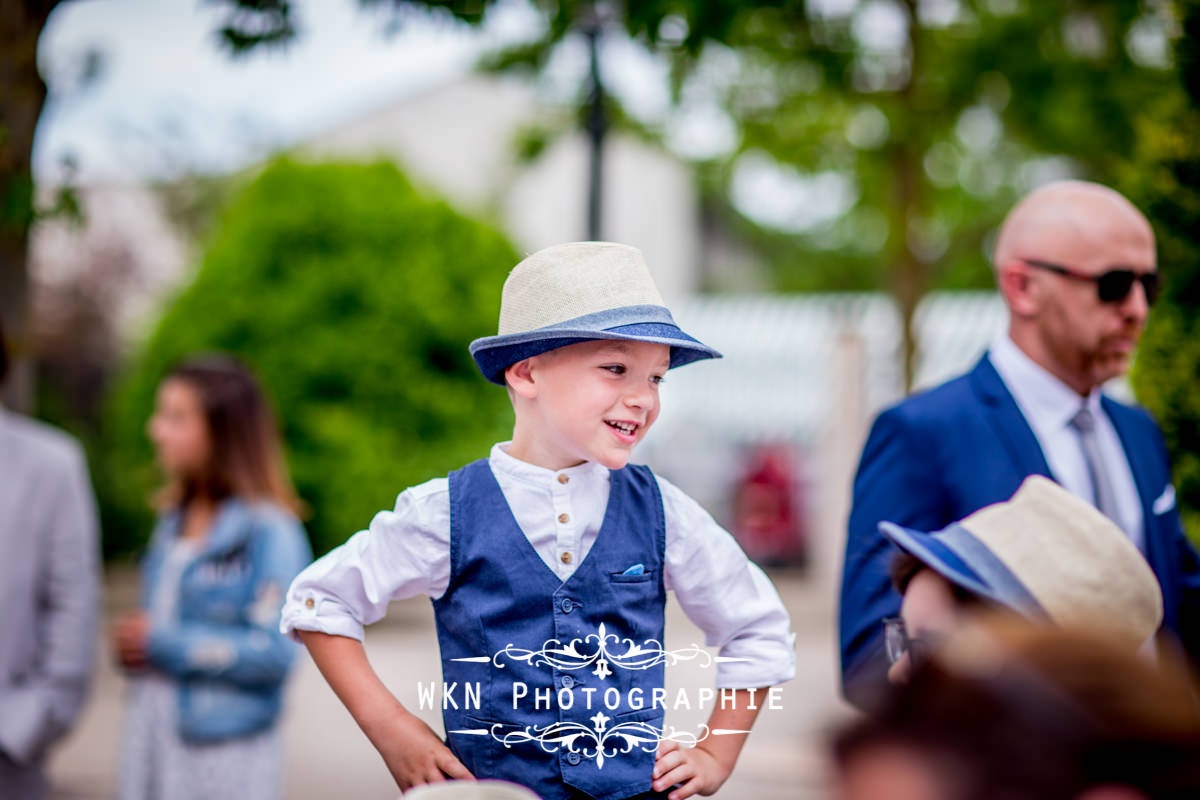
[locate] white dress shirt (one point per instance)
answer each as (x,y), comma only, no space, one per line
(406,552)
(1048,405)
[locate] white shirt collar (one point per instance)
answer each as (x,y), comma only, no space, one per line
(1047,402)
(501,461)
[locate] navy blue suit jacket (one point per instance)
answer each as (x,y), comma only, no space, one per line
(938,456)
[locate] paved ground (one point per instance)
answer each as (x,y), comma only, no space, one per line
(327,756)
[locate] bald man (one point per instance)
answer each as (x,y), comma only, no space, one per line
(1075,263)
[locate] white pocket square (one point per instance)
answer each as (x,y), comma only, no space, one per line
(1165,501)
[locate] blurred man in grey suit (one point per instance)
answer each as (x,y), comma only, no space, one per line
(49,594)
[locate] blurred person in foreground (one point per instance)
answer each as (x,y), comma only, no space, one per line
(206,660)
(1044,555)
(1022,712)
(1075,263)
(50,585)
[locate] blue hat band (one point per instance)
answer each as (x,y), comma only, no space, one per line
(646,323)
(959,557)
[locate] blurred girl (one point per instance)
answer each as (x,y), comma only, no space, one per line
(205,655)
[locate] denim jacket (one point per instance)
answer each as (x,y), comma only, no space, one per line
(224,649)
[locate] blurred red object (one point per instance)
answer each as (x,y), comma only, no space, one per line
(768,519)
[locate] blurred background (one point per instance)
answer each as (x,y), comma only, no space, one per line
(335,190)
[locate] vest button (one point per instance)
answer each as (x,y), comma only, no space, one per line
(573,758)
(567,605)
(566,681)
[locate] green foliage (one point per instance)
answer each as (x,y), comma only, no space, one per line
(192,203)
(1167,379)
(1165,179)
(354,298)
(957,111)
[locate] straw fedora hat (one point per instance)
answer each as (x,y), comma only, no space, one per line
(579,292)
(1046,554)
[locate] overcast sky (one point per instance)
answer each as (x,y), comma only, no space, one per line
(167,98)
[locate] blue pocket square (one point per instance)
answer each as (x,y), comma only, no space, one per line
(636,569)
(1165,501)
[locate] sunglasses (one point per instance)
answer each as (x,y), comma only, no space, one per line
(1112,286)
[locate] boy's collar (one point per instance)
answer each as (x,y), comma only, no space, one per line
(501,461)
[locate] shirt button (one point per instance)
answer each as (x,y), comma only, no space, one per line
(309,603)
(573,758)
(567,605)
(566,558)
(563,478)
(564,518)
(567,682)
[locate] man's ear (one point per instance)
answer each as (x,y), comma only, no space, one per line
(520,378)
(1020,292)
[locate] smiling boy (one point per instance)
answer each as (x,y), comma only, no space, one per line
(548,564)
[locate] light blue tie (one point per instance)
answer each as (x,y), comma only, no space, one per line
(1103,496)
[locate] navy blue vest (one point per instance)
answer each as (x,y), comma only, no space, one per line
(504,603)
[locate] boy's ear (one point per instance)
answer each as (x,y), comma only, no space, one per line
(520,378)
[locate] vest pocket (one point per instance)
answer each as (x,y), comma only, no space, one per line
(621,577)
(640,715)
(478,753)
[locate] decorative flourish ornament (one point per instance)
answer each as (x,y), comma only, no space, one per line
(598,742)
(601,650)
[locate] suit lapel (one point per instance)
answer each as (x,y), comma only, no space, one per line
(1011,427)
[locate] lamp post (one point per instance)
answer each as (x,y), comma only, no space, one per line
(594,18)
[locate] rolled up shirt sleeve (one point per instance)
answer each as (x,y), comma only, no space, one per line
(727,596)
(403,553)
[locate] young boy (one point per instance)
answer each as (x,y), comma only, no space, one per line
(548,565)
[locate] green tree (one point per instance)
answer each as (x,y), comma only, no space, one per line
(1165,180)
(22,95)
(354,298)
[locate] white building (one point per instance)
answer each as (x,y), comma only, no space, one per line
(461,140)
(125,255)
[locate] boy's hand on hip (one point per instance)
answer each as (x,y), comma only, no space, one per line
(414,754)
(412,751)
(695,770)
